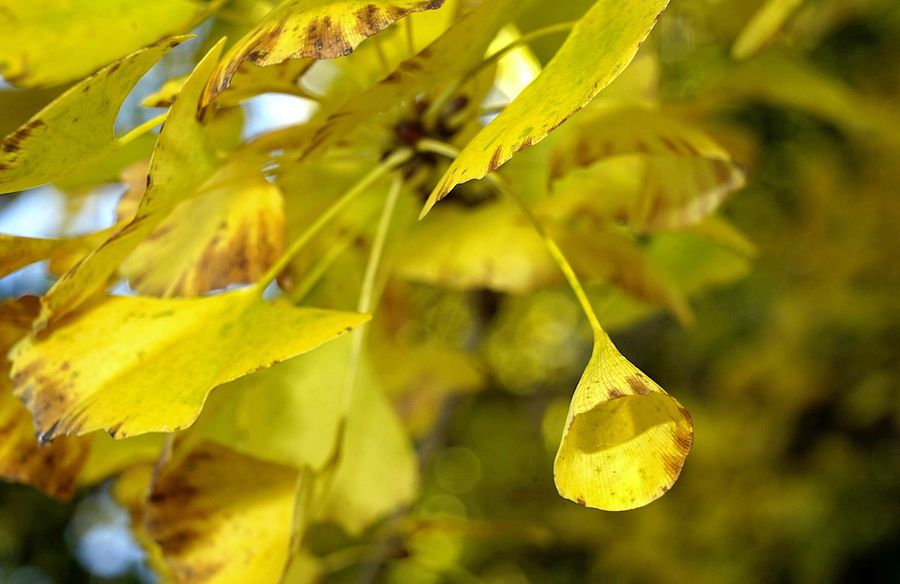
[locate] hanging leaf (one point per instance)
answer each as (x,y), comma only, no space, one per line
(54,41)
(221,517)
(135,365)
(54,468)
(321,29)
(764,25)
(625,440)
(229,233)
(599,47)
(183,159)
(76,128)
(686,174)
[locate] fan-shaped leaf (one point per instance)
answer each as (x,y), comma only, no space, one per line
(625,440)
(135,365)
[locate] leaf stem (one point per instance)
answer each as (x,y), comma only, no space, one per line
(392,162)
(410,40)
(367,292)
(444,149)
(143,128)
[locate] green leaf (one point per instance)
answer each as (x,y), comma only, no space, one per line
(597,50)
(77,127)
(54,41)
(135,365)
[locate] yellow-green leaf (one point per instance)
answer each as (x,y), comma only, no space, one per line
(625,440)
(54,41)
(221,517)
(16,252)
(52,468)
(135,365)
(230,233)
(77,127)
(686,175)
(599,47)
(317,29)
(183,159)
(764,25)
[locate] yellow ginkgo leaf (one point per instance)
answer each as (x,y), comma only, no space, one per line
(686,175)
(135,365)
(229,233)
(16,252)
(221,517)
(51,468)
(183,159)
(51,42)
(491,246)
(317,29)
(108,456)
(599,47)
(625,440)
(77,127)
(764,25)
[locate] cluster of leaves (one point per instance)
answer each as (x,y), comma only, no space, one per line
(619,202)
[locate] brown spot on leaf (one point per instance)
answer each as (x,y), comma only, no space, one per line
(638,385)
(495,159)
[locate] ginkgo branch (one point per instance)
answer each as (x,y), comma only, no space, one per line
(395,160)
(444,149)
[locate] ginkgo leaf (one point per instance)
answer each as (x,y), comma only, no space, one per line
(77,127)
(221,517)
(317,29)
(130,490)
(686,174)
(108,457)
(377,472)
(230,233)
(491,246)
(600,46)
(452,54)
(165,95)
(625,440)
(287,414)
(183,159)
(16,252)
(764,25)
(52,468)
(134,365)
(51,42)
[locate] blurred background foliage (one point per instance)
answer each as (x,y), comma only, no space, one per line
(790,368)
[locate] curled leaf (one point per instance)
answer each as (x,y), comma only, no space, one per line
(625,439)
(135,365)
(597,50)
(321,29)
